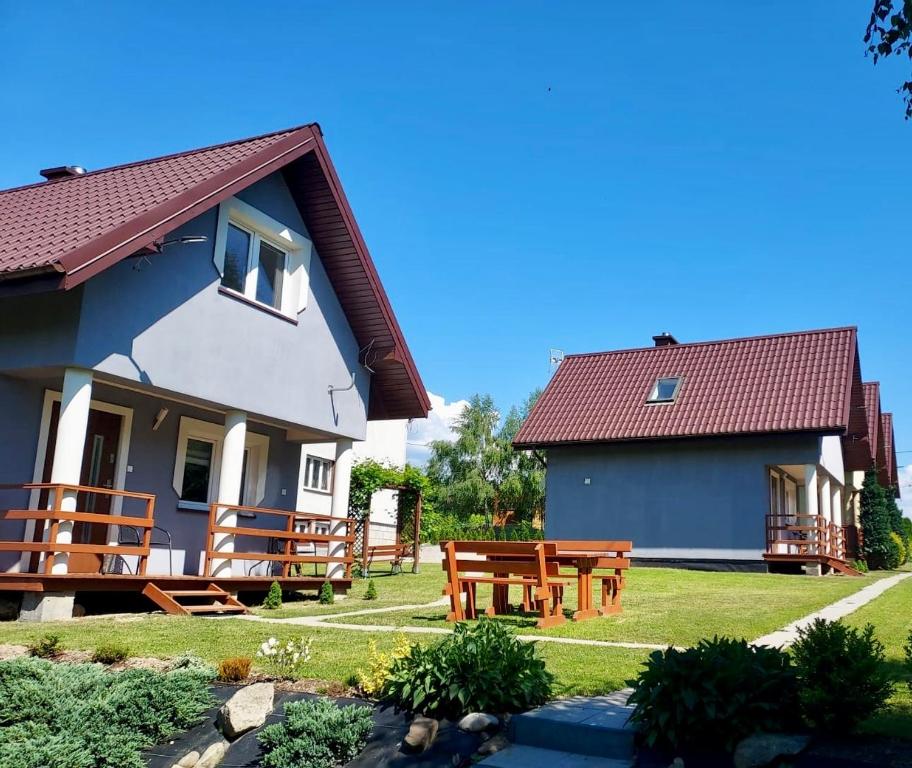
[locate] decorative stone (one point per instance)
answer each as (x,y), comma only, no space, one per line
(494,744)
(421,734)
(213,755)
(246,710)
(189,760)
(763,748)
(475,722)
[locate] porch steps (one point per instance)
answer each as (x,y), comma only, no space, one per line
(838,565)
(832,562)
(188,602)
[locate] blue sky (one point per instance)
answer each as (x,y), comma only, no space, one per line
(529,175)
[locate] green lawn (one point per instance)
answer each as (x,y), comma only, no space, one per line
(406,588)
(663,605)
(891,615)
(336,654)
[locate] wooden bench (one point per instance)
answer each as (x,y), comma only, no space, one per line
(395,553)
(531,565)
(589,555)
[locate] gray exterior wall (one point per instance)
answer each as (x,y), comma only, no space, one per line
(692,499)
(166,325)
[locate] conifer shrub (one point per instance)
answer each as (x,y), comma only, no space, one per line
(46,647)
(110,653)
(83,716)
(317,734)
(273,598)
(371,593)
(235,669)
(327,595)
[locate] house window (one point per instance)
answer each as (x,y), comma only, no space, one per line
(665,390)
(261,259)
(198,462)
(318,474)
(254,267)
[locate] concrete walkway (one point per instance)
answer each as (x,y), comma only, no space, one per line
(779,639)
(789,634)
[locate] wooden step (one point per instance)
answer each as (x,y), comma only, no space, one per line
(170,600)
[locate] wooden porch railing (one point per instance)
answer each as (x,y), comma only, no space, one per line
(804,535)
(289,540)
(53,515)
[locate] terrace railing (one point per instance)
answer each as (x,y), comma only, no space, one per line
(287,545)
(50,516)
(804,535)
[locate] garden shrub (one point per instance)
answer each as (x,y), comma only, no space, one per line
(714,694)
(235,669)
(327,596)
(317,734)
(83,716)
(46,647)
(897,554)
(285,661)
(479,668)
(842,675)
(110,653)
(379,663)
(371,593)
(876,522)
(860,565)
(273,597)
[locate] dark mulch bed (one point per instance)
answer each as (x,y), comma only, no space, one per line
(855,752)
(383,747)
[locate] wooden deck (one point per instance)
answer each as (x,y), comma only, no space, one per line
(807,540)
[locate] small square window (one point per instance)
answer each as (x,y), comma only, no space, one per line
(665,390)
(318,474)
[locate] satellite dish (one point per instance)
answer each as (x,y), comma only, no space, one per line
(555,358)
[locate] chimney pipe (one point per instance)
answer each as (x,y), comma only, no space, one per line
(62,172)
(664,339)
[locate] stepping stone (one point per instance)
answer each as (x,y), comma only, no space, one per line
(521,756)
(596,726)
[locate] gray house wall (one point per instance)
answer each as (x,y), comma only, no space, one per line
(702,499)
(163,323)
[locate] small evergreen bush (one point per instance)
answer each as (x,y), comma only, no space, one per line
(714,694)
(371,593)
(327,596)
(46,647)
(876,522)
(83,716)
(235,669)
(860,565)
(317,734)
(842,675)
(480,668)
(897,553)
(110,653)
(273,598)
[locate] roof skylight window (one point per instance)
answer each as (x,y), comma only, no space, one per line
(665,390)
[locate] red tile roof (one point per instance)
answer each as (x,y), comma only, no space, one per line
(780,383)
(67,230)
(872,412)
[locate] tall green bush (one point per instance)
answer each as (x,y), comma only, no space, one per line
(82,716)
(713,695)
(273,597)
(876,522)
(842,675)
(478,668)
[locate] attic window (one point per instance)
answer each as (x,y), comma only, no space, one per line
(665,390)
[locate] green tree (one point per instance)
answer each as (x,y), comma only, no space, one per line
(889,33)
(876,523)
(479,472)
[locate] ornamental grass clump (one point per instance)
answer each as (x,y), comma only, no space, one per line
(285,661)
(842,674)
(478,668)
(235,669)
(711,696)
(316,734)
(83,716)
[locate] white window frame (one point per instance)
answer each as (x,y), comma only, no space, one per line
(262,228)
(328,465)
(257,462)
(654,391)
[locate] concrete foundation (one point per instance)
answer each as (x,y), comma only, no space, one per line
(47,606)
(813,569)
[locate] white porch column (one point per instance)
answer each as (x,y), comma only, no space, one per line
(71,434)
(811,494)
(838,514)
(229,489)
(826,498)
(341,486)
